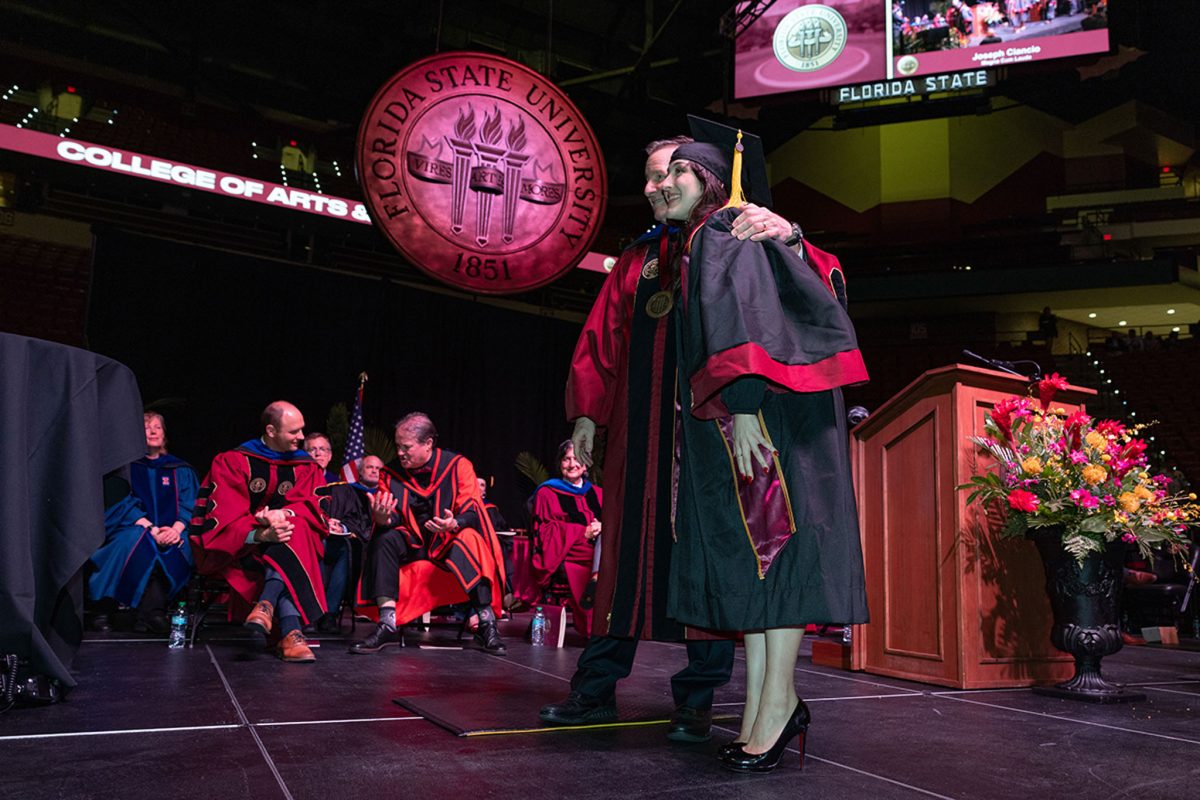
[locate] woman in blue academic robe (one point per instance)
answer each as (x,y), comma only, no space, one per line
(146,558)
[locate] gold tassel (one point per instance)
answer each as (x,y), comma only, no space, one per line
(736,197)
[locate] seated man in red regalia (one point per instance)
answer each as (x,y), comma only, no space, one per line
(433,544)
(259,527)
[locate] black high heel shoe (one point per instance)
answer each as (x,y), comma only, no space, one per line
(739,760)
(725,750)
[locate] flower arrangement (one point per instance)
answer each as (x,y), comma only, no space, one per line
(1091,478)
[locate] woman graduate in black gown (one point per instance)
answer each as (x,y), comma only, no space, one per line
(765,521)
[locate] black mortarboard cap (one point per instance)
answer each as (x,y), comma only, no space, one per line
(714,149)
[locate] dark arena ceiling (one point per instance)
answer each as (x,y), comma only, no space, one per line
(635,67)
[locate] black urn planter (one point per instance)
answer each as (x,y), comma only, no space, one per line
(1085,597)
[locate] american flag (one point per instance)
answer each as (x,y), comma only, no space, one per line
(355,448)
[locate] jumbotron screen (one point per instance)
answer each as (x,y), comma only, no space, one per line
(796,45)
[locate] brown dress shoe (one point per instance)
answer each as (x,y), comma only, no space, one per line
(294,649)
(259,620)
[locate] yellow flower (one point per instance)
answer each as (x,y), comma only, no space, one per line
(1094,474)
(1120,518)
(1129,502)
(1106,458)
(1143,493)
(1191,495)
(1096,441)
(1032,465)
(1144,476)
(1060,411)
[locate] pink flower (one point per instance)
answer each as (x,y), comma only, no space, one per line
(1108,500)
(1085,499)
(1078,457)
(1128,537)
(1022,500)
(1119,467)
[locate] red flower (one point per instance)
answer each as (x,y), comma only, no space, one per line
(1022,500)
(1074,428)
(1002,414)
(1134,450)
(1048,387)
(1110,427)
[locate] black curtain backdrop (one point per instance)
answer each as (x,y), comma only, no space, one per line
(229,333)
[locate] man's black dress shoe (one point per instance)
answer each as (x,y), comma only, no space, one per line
(380,638)
(101,623)
(797,725)
(329,623)
(578,709)
(487,635)
(690,725)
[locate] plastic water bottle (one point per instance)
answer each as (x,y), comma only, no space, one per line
(537,632)
(179,621)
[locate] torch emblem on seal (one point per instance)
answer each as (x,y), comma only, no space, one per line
(490,164)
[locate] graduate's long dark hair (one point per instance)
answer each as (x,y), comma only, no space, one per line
(713,197)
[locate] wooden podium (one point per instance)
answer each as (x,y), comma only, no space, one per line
(951,603)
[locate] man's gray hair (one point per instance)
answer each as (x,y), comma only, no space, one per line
(674,141)
(419,424)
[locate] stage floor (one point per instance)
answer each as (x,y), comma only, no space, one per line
(219,722)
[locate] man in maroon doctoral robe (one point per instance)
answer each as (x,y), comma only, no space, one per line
(433,543)
(259,527)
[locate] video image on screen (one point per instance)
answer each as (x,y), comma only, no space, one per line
(798,45)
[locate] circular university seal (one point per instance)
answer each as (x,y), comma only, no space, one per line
(481,172)
(809,38)
(907,65)
(258,485)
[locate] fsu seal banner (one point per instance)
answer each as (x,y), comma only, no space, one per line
(481,172)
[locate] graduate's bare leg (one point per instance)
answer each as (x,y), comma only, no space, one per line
(756,668)
(778,699)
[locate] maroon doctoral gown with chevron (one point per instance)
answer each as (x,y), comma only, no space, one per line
(623,378)
(242,482)
(441,568)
